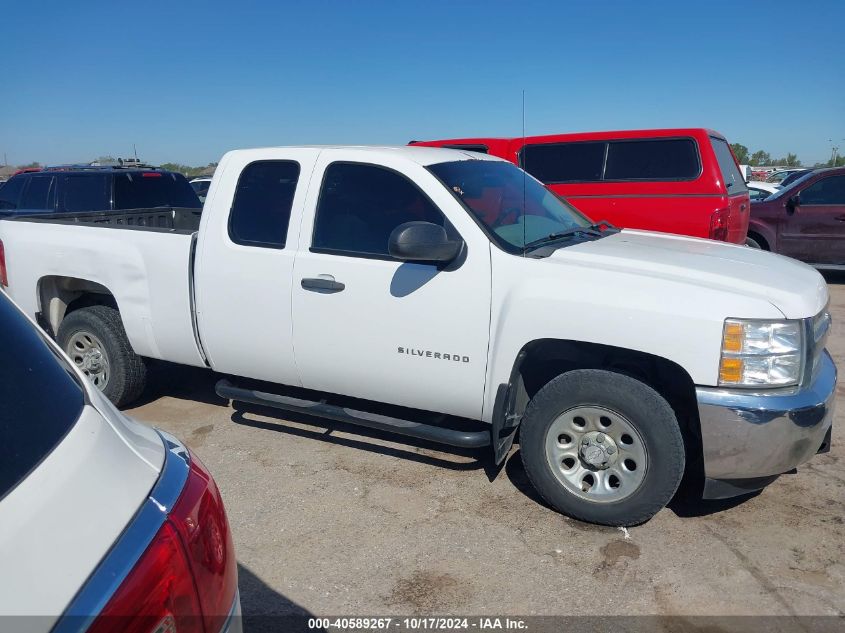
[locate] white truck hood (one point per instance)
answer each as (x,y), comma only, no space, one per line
(795,289)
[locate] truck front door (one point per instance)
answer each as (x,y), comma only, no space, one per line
(370,326)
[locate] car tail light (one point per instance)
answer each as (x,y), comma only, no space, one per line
(4,276)
(150,174)
(719,224)
(186,580)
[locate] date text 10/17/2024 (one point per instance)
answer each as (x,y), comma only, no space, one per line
(417,624)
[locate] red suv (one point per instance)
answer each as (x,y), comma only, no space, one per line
(679,181)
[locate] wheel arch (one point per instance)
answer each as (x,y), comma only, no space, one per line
(764,232)
(60,295)
(541,360)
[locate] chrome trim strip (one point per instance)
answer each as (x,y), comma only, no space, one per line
(192,293)
(132,543)
(234,623)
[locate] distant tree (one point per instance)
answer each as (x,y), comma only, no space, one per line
(760,158)
(187,170)
(791,160)
(182,169)
(30,165)
(741,153)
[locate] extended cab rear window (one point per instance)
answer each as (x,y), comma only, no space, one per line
(40,400)
(263,200)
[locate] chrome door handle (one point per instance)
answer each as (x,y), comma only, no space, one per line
(322,284)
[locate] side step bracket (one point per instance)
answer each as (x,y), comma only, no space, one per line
(430,432)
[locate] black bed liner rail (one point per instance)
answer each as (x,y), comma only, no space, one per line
(170,219)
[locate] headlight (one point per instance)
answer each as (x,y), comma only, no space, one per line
(761,353)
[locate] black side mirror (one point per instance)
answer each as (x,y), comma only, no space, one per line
(423,242)
(792,203)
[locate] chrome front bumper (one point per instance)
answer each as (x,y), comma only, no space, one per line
(748,438)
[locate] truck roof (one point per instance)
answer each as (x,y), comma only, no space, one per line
(421,155)
(582,136)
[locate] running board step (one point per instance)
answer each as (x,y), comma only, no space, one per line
(437,434)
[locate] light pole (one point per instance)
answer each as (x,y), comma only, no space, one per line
(834,151)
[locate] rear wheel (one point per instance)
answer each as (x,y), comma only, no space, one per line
(96,342)
(602,447)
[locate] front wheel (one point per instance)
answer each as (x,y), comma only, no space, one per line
(602,447)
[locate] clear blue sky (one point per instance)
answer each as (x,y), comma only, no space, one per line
(187,81)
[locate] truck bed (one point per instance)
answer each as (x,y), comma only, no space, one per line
(143,258)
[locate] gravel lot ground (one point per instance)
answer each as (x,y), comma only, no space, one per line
(334,521)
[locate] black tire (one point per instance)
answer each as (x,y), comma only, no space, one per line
(645,410)
(127,371)
(755,241)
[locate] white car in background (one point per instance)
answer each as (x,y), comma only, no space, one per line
(201,186)
(760,190)
(105,524)
(777,176)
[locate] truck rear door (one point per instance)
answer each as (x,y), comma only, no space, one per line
(244,266)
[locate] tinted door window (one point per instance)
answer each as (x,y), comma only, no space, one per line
(653,159)
(10,193)
(39,193)
(263,200)
(151,189)
(86,192)
(39,399)
(360,205)
(830,190)
(732,177)
(564,162)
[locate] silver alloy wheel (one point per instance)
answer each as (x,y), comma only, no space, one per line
(88,353)
(596,453)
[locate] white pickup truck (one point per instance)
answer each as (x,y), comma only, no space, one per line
(446,295)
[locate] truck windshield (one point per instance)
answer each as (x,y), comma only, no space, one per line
(513,208)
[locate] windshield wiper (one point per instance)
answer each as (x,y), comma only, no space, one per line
(593,230)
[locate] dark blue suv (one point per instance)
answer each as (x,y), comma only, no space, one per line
(82,189)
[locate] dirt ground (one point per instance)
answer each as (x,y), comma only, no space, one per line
(332,520)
